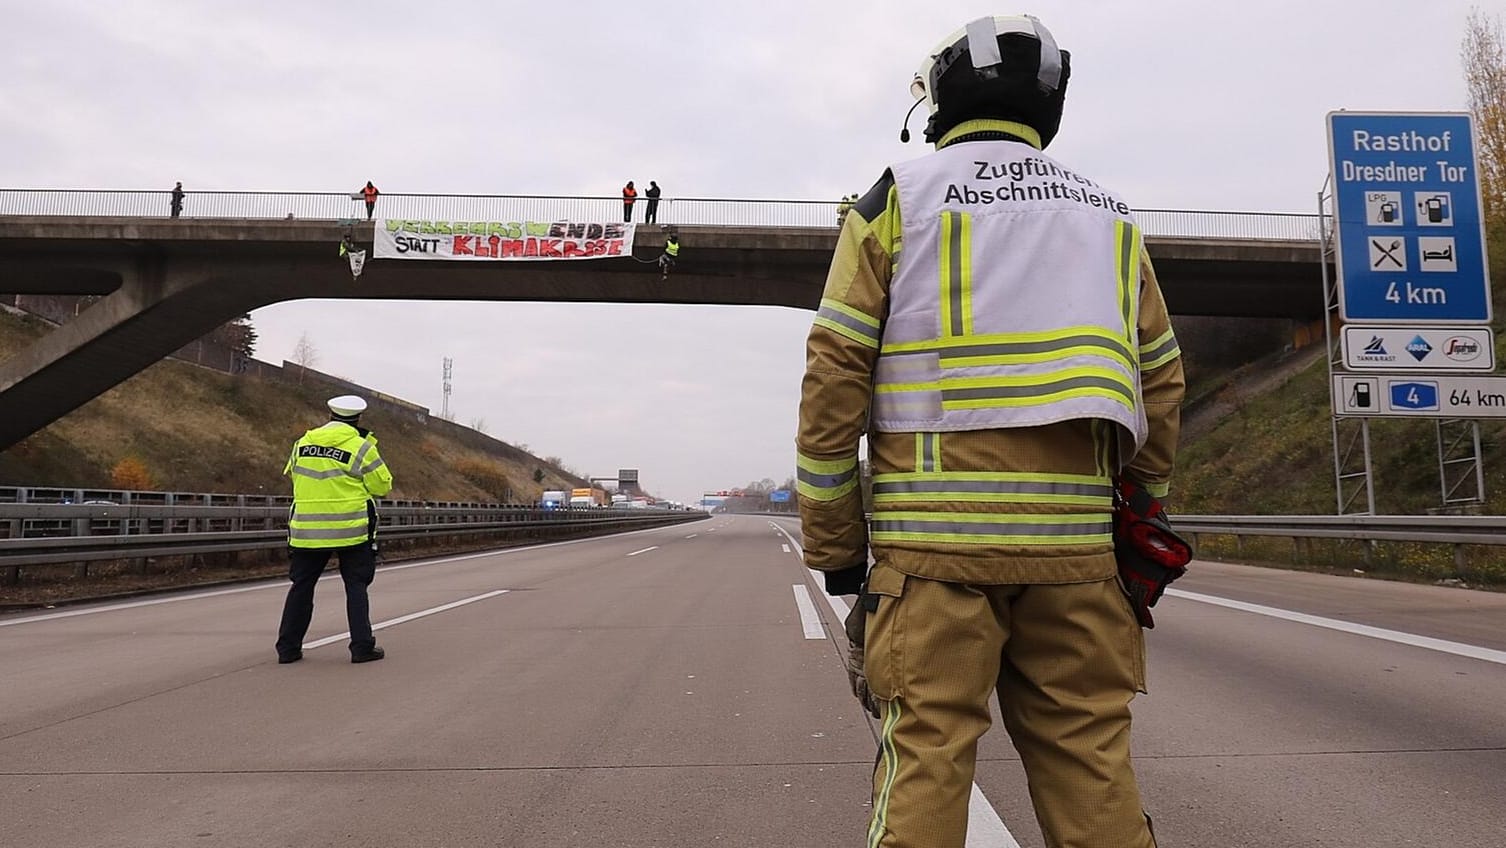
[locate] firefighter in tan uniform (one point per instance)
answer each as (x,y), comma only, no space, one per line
(992,324)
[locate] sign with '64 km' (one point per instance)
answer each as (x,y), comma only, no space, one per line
(1411,234)
(1423,396)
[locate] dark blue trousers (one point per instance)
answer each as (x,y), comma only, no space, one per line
(357,569)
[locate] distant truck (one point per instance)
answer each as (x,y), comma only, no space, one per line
(590,498)
(553,499)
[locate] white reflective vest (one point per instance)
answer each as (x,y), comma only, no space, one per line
(1014,298)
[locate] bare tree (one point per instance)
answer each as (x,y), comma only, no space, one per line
(1484,57)
(305,355)
(478,424)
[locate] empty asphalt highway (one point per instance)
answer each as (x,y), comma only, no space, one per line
(683,687)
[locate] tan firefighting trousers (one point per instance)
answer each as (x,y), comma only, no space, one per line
(1065,659)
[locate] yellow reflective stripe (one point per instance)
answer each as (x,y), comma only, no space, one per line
(1161,360)
(825,466)
(1158,490)
(995,476)
(1041,519)
(824,493)
(1159,352)
(994,382)
(936,453)
(965,271)
(1040,356)
(1095,501)
(955,275)
(1165,337)
(846,332)
(839,306)
(1103,445)
(1033,337)
(1037,400)
(951,323)
(825,480)
(1038,530)
(991,538)
(878,826)
(1127,257)
(920,453)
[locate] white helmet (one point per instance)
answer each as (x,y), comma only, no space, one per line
(1014,72)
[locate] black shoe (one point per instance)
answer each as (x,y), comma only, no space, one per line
(368,656)
(284,659)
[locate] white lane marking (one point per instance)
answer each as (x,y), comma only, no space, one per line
(644,550)
(692,535)
(134,604)
(810,620)
(271,584)
(786,548)
(339,637)
(985,829)
(1440,645)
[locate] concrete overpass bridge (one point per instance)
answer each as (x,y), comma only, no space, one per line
(167,281)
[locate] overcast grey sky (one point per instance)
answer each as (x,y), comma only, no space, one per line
(1177,104)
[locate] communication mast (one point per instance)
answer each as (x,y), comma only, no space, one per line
(444,409)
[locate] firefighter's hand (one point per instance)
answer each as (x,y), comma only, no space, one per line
(857,618)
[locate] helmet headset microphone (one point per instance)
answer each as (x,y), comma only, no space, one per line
(1014,72)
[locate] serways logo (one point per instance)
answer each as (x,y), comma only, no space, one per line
(1462,349)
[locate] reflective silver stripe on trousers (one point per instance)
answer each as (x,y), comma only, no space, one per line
(927,453)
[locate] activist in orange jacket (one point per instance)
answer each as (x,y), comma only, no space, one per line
(629,194)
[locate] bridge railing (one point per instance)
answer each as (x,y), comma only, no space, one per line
(687,211)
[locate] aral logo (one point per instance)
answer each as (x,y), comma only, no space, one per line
(1419,348)
(1462,349)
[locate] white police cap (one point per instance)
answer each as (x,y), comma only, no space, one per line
(347,406)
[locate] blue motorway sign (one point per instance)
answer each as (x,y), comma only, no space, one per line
(1411,235)
(779,496)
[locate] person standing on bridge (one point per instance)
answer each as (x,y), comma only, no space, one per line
(1001,407)
(176,202)
(629,194)
(369,194)
(651,212)
(337,473)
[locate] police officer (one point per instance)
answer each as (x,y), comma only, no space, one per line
(337,473)
(1016,363)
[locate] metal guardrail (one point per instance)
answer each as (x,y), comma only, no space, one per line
(1435,529)
(689,211)
(78,533)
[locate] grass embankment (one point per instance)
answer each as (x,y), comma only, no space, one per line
(189,429)
(1273,455)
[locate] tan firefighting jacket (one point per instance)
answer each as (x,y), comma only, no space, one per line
(1006,504)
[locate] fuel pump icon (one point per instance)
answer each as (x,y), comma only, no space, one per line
(1388,212)
(1433,209)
